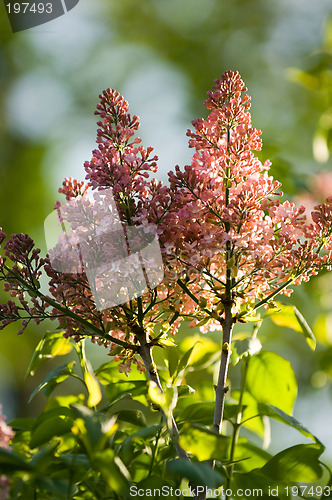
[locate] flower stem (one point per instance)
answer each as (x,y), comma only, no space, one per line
(67,312)
(221,388)
(145,351)
(237,424)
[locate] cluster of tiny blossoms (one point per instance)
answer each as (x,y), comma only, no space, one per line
(6,434)
(226,231)
(225,234)
(124,165)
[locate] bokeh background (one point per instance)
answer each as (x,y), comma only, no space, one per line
(163,56)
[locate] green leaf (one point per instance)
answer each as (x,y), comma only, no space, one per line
(151,484)
(92,385)
(92,428)
(205,352)
(197,473)
(203,443)
(51,345)
(203,413)
(184,390)
(156,395)
(173,359)
(250,414)
(271,380)
(53,378)
(135,417)
(144,435)
(22,424)
(281,416)
(52,427)
(44,458)
(251,456)
(10,461)
(134,388)
(307,332)
(244,347)
(289,316)
(297,463)
(113,471)
(197,412)
(259,485)
(54,486)
(184,361)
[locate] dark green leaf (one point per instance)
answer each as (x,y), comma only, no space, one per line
(135,417)
(127,404)
(197,473)
(22,424)
(151,484)
(56,426)
(184,390)
(54,378)
(297,463)
(10,461)
(53,485)
(197,412)
(259,486)
(145,435)
(203,413)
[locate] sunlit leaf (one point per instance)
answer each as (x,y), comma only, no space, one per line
(203,443)
(113,471)
(244,347)
(290,317)
(173,359)
(92,386)
(271,380)
(251,456)
(205,350)
(51,345)
(281,416)
(156,395)
(92,428)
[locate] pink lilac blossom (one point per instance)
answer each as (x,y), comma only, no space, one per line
(124,165)
(226,222)
(225,233)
